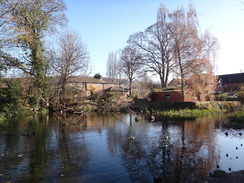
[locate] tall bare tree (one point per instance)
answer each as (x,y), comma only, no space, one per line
(192,51)
(155,45)
(70,58)
(130,64)
(26,23)
(113,65)
(175,45)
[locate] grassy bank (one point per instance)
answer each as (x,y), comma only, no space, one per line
(237,117)
(188,113)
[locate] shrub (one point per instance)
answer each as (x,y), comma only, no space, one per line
(222,97)
(34,102)
(240,92)
(110,96)
(10,98)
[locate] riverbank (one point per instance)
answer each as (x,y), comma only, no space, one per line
(216,105)
(237,117)
(171,109)
(234,177)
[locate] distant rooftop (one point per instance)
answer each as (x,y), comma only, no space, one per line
(232,78)
(89,79)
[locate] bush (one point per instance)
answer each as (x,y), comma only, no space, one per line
(2,117)
(10,98)
(110,96)
(240,92)
(34,102)
(221,97)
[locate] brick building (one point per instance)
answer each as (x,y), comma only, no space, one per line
(86,86)
(166,96)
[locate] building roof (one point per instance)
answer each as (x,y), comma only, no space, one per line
(116,89)
(168,91)
(88,79)
(175,82)
(232,78)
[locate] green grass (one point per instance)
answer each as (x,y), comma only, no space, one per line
(187,113)
(237,117)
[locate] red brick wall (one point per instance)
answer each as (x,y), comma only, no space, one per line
(172,96)
(229,87)
(232,86)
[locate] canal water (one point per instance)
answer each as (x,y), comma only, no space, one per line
(95,148)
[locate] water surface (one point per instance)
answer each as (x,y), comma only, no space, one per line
(98,148)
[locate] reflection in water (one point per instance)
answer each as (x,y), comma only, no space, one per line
(98,148)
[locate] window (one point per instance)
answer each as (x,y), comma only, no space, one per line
(89,84)
(99,85)
(167,96)
(80,84)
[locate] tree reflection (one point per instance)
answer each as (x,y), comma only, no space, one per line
(50,152)
(69,154)
(185,155)
(166,151)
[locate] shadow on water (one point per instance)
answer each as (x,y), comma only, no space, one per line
(102,148)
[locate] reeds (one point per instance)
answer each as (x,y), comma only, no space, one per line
(187,113)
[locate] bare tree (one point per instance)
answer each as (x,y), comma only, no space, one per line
(201,86)
(144,85)
(113,65)
(203,80)
(130,64)
(175,45)
(70,58)
(155,45)
(192,51)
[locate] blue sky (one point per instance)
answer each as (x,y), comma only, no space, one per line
(105,26)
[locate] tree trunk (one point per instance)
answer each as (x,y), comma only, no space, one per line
(182,88)
(182,77)
(162,79)
(130,87)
